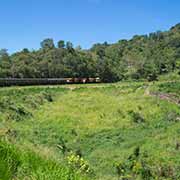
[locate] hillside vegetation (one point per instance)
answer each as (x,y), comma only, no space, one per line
(115,131)
(128,130)
(142,57)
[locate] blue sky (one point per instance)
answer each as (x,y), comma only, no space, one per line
(25,23)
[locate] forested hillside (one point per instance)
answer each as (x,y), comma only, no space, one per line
(143,56)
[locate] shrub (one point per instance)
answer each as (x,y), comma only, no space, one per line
(172,117)
(18,112)
(31,101)
(5,103)
(152,77)
(47,96)
(134,167)
(136,117)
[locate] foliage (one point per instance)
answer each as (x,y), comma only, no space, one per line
(145,56)
(136,117)
(77,163)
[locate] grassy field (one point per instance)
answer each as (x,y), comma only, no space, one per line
(103,132)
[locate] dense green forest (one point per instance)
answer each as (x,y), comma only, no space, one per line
(143,56)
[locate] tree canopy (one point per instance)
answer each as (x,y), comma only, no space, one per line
(143,56)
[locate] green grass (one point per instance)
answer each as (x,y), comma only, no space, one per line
(102,123)
(173,88)
(24,164)
(172,76)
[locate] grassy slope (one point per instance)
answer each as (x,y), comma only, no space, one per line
(23,160)
(20,164)
(100,124)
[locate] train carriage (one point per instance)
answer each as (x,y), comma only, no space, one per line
(45,81)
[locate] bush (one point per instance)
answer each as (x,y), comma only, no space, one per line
(136,117)
(5,103)
(18,112)
(173,117)
(135,167)
(152,77)
(47,96)
(135,76)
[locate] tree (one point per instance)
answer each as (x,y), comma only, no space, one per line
(144,56)
(69,45)
(61,44)
(3,53)
(5,64)
(25,50)
(47,44)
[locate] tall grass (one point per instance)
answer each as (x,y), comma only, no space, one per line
(102,125)
(24,164)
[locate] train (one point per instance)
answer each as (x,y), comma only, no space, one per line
(45,81)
